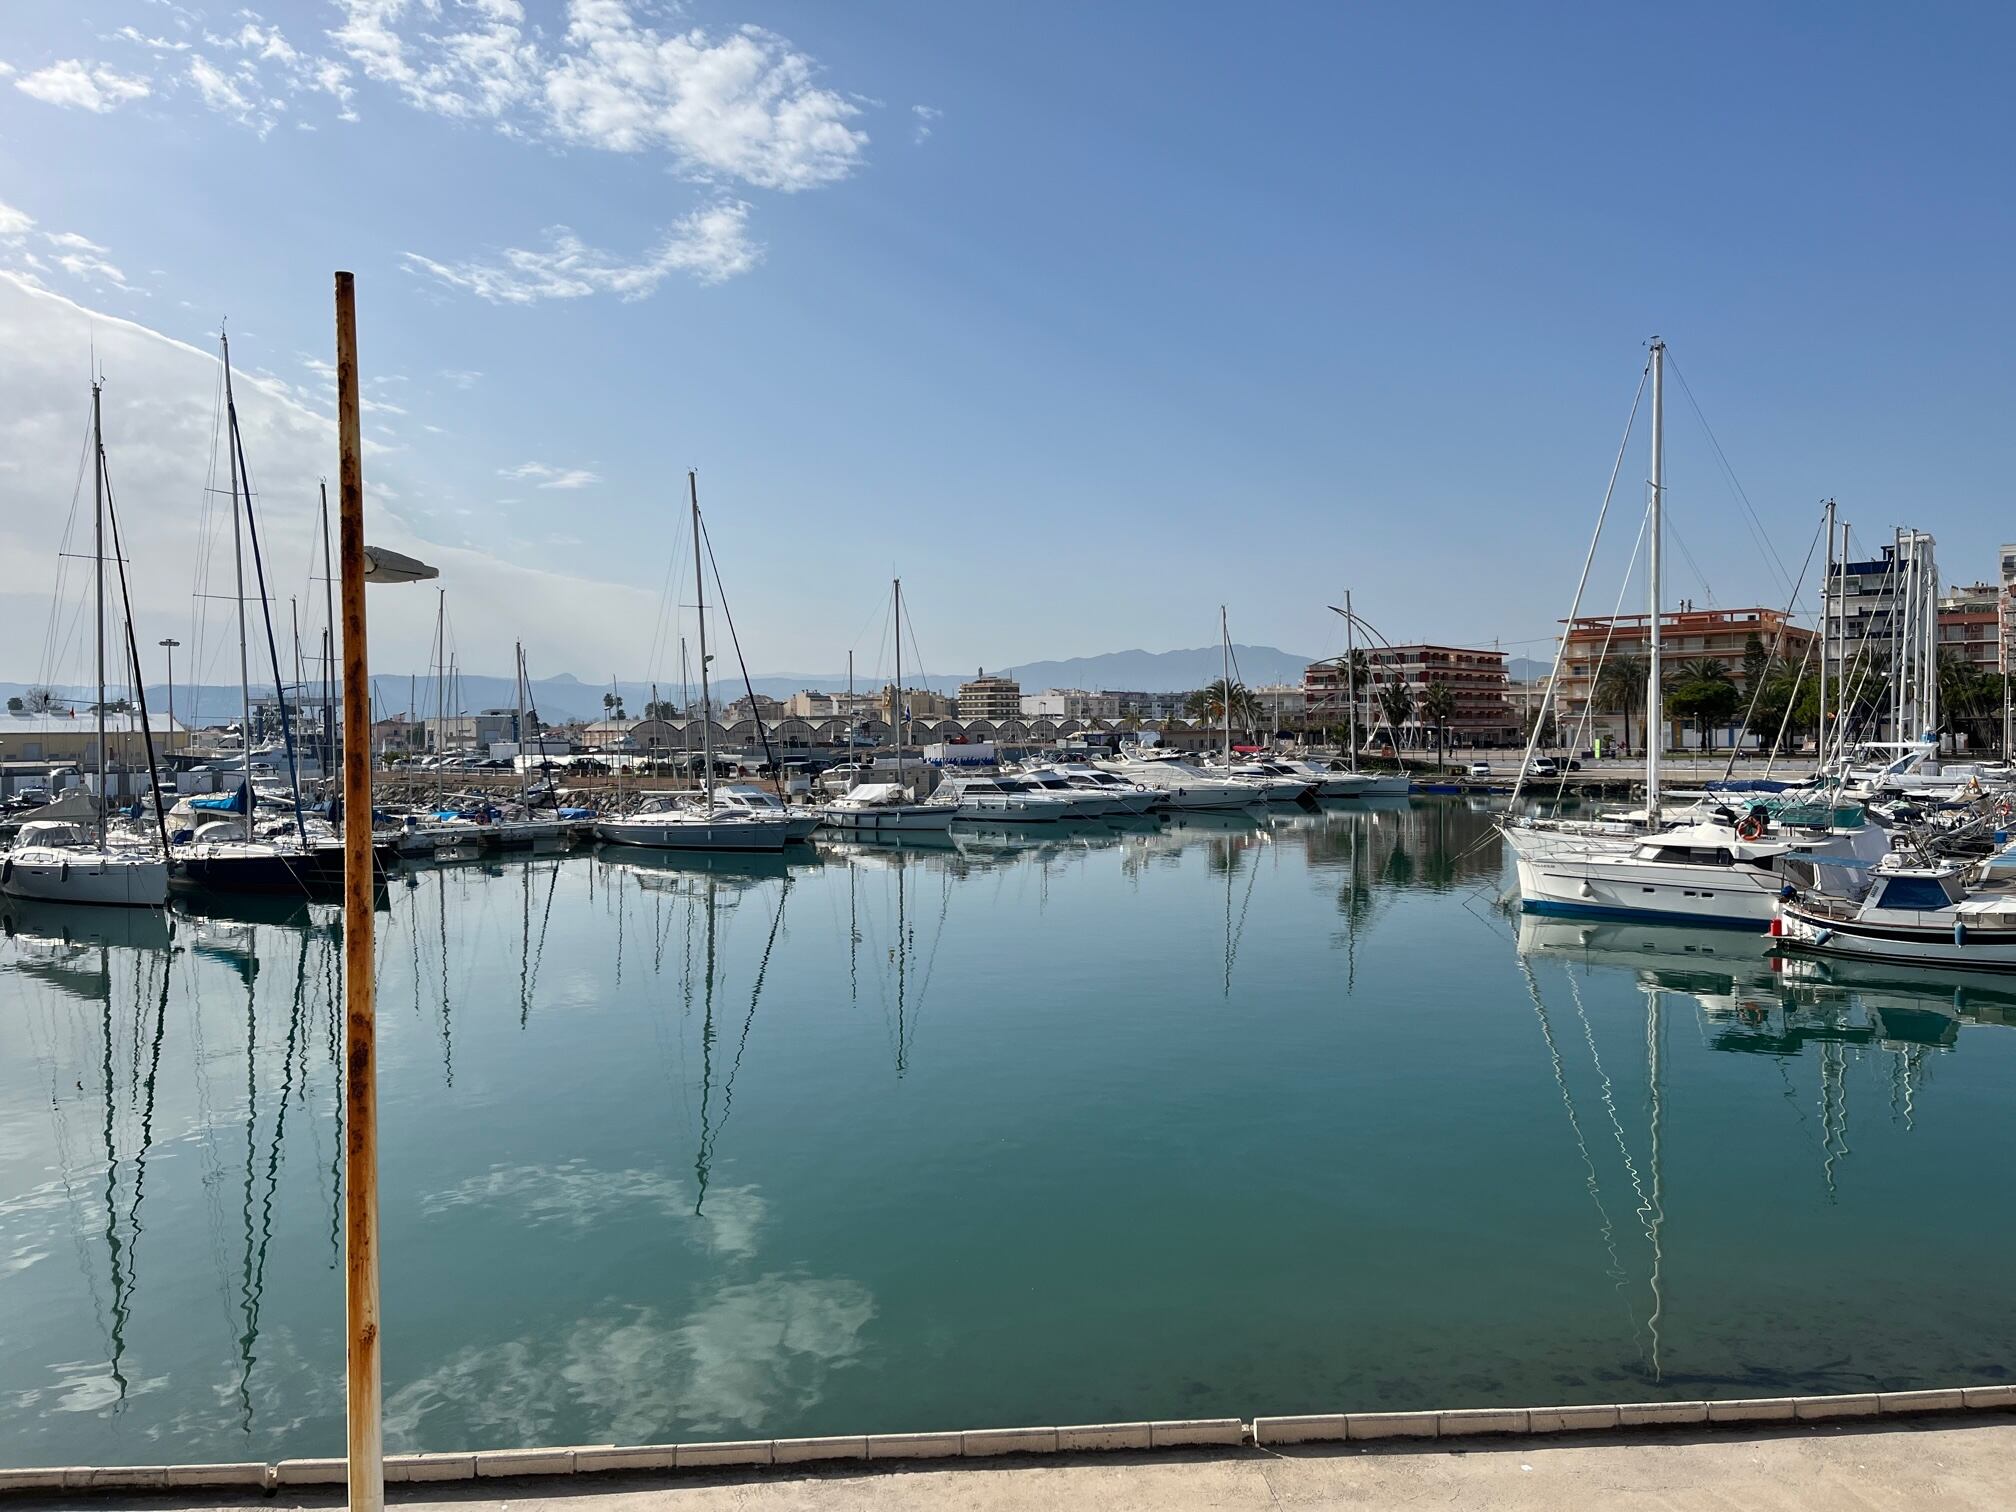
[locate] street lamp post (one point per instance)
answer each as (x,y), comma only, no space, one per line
(363,1380)
(169,646)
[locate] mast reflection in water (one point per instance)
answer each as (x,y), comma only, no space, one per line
(858,1137)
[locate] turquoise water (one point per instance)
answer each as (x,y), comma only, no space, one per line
(1245,1116)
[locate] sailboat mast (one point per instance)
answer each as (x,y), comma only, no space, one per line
(1225,680)
(902,708)
(1826,635)
(850,706)
(238,571)
(440,687)
(518,731)
(1656,725)
(1350,682)
(98,556)
(700,611)
(330,723)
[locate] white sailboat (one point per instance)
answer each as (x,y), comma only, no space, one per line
(667,824)
(885,808)
(62,862)
(1708,873)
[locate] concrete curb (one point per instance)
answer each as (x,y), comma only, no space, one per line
(989,1443)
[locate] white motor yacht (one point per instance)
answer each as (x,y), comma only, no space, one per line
(1184,786)
(1080,802)
(799,823)
(1131,797)
(1916,911)
(885,808)
(1003,799)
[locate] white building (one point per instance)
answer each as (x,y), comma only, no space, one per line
(1071,703)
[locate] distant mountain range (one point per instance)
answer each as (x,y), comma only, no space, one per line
(566,697)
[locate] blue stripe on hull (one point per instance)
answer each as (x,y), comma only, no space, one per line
(1636,915)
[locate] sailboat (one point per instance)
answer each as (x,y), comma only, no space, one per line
(227,854)
(887,808)
(665,822)
(62,861)
(1708,871)
(1353,783)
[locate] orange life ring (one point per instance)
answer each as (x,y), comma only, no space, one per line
(1750,829)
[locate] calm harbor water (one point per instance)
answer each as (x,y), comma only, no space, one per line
(1224,1116)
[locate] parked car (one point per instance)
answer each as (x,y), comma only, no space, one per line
(1544,766)
(1480,769)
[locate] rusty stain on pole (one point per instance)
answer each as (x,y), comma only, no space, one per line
(363,1380)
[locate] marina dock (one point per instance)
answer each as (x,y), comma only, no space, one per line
(1927,1465)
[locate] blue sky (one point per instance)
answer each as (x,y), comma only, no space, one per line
(1084,319)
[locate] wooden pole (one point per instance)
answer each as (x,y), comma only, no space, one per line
(363,1380)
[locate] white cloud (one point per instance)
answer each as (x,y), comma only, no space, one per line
(84,265)
(75,84)
(14,224)
(926,115)
(159,425)
(152,44)
(711,244)
(542,476)
(744,105)
(70,241)
(218,91)
(461,378)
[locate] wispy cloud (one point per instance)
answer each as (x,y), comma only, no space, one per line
(539,475)
(461,378)
(14,224)
(78,85)
(926,116)
(744,105)
(711,245)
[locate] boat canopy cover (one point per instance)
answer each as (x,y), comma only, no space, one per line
(1752,785)
(232,802)
(875,792)
(55,832)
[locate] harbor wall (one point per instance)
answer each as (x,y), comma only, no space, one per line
(987,1443)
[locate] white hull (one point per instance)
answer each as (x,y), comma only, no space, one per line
(889,819)
(721,832)
(1012,808)
(1618,887)
(94,877)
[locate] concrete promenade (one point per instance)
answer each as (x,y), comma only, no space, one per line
(1927,1464)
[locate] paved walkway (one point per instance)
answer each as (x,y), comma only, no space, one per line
(1931,1466)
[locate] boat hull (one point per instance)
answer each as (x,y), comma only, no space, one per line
(889,819)
(49,876)
(1606,888)
(1898,945)
(697,834)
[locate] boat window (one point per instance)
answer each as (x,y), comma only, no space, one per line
(1921,893)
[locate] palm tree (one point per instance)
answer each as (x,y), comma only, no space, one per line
(1209,703)
(1620,689)
(1396,702)
(1700,689)
(1438,704)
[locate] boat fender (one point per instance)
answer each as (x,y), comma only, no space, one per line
(1960,932)
(1822,936)
(6,869)
(65,873)
(1750,829)
(1777,925)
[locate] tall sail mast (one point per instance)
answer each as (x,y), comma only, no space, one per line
(1654,706)
(1826,636)
(902,707)
(330,723)
(1225,681)
(98,559)
(238,572)
(1350,682)
(700,611)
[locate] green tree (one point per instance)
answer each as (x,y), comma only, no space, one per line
(15,706)
(1756,663)
(612,706)
(1209,703)
(1438,705)
(660,708)
(1396,703)
(1549,727)
(1700,690)
(1620,689)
